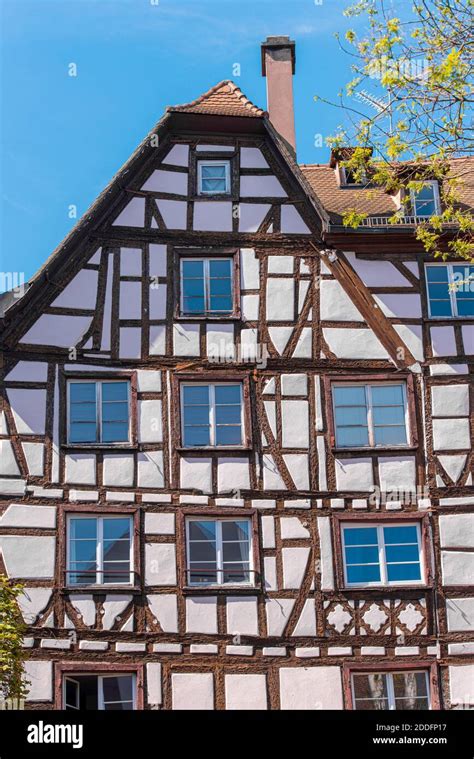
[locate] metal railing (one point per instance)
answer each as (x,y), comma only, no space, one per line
(211,576)
(99,577)
(399,221)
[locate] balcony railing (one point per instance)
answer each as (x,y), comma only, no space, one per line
(390,221)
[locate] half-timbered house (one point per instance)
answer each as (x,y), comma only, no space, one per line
(236,435)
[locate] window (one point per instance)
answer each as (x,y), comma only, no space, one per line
(425,202)
(450,290)
(99,551)
(212,415)
(213,177)
(99,692)
(372,415)
(391,690)
(348,177)
(98,412)
(219,552)
(382,554)
(207,286)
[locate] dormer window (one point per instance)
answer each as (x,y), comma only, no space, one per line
(213,177)
(348,177)
(425,202)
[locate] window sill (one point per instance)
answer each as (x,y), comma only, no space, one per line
(386,588)
(221,589)
(207,318)
(217,448)
(99,446)
(129,589)
(375,449)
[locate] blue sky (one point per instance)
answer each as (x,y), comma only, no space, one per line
(64,137)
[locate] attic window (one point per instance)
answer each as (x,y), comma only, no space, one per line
(425,202)
(348,177)
(213,177)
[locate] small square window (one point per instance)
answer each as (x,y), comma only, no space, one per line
(212,415)
(382,554)
(213,177)
(219,552)
(207,286)
(99,550)
(450,290)
(90,692)
(98,411)
(425,202)
(370,416)
(405,690)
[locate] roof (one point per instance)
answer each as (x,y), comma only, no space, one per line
(373,200)
(224,99)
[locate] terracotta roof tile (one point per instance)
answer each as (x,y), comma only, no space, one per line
(224,99)
(373,200)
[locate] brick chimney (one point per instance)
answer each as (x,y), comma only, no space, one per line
(278,65)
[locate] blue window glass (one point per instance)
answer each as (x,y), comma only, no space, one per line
(207,286)
(369,415)
(82,412)
(114,422)
(214,177)
(196,415)
(98,412)
(402,553)
(383,555)
(193,287)
(228,415)
(99,550)
(350,411)
(425,201)
(212,415)
(463,281)
(218,551)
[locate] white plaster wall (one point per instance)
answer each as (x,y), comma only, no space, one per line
(457,567)
(29,410)
(306,624)
(150,421)
(130,339)
(294,384)
(326,560)
(150,469)
(114,605)
(292,527)
(32,602)
(164,607)
(311,688)
(232,474)
(119,469)
(297,464)
(153,683)
(8,463)
(461,685)
(443,341)
(39,675)
(295,422)
(294,565)
(457,530)
(397,473)
(157,305)
(29,557)
(280,306)
(212,216)
(248,692)
(451,434)
(196,473)
(157,340)
(175,182)
(251,216)
(157,523)
(178,155)
(186,339)
(57,330)
(130,300)
(80,468)
(377,273)
(28,371)
(291,221)
(22,515)
(354,343)
(249,269)
(460,614)
(133,215)
(242,615)
(281,264)
(252,158)
(34,455)
(278,611)
(450,400)
(160,564)
(336,304)
(85,606)
(148,381)
(354,474)
(192,691)
(201,614)
(80,292)
(401,305)
(261,186)
(130,262)
(173,213)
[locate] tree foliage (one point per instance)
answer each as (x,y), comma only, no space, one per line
(12,630)
(419,62)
